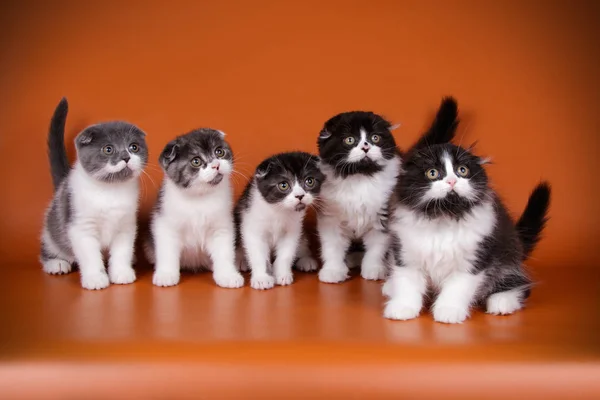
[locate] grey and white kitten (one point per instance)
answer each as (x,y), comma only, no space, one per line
(95,202)
(269,218)
(192,222)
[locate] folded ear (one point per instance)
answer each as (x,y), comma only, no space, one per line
(325,134)
(221,133)
(263,169)
(86,136)
(169,153)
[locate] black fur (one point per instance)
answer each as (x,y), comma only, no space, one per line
(534,218)
(57,153)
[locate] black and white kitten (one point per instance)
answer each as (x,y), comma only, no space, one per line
(269,218)
(95,202)
(361,164)
(192,223)
(454,234)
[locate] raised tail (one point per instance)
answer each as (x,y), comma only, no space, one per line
(57,153)
(443,128)
(534,218)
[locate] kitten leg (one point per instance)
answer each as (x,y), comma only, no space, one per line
(458,292)
(87,250)
(373,266)
(507,302)
(405,288)
(220,247)
(167,253)
(285,252)
(53,260)
(305,261)
(120,269)
(334,245)
(258,255)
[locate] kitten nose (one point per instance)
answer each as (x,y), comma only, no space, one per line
(451,182)
(126,158)
(299,196)
(366,147)
(215,165)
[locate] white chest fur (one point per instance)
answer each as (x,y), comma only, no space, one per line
(356,200)
(102,208)
(441,246)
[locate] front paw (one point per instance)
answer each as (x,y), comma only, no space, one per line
(95,280)
(399,310)
(56,266)
(333,274)
(450,314)
(373,272)
(306,264)
(229,280)
(284,279)
(166,277)
(262,281)
(121,275)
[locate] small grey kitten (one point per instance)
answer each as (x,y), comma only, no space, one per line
(192,221)
(95,202)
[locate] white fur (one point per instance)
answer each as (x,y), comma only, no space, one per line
(441,251)
(103,217)
(194,229)
(349,210)
(266,227)
(504,303)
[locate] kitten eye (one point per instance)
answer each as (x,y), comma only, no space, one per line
(309,182)
(432,173)
(462,171)
(134,147)
(283,186)
(375,138)
(219,152)
(108,150)
(196,162)
(349,140)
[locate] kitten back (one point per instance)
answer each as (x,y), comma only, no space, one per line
(443,128)
(57,153)
(534,218)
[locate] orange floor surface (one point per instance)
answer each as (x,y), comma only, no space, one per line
(309,340)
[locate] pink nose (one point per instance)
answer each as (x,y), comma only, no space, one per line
(215,165)
(365,147)
(451,182)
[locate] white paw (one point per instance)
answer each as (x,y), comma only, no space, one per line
(121,275)
(94,280)
(333,275)
(166,277)
(56,266)
(450,314)
(284,279)
(400,311)
(230,280)
(262,281)
(387,289)
(373,272)
(504,303)
(307,264)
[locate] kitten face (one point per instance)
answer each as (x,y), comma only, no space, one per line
(291,180)
(443,180)
(112,151)
(356,142)
(199,159)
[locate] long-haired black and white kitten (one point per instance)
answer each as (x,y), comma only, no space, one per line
(269,218)
(95,202)
(192,223)
(454,233)
(361,164)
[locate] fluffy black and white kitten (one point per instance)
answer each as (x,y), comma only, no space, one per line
(95,202)
(361,164)
(192,223)
(455,235)
(269,217)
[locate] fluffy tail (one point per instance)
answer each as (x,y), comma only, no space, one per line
(534,218)
(57,153)
(444,126)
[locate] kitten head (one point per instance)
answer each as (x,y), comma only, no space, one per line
(112,151)
(443,180)
(199,159)
(356,142)
(291,180)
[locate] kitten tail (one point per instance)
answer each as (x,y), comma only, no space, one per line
(57,153)
(534,218)
(444,126)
